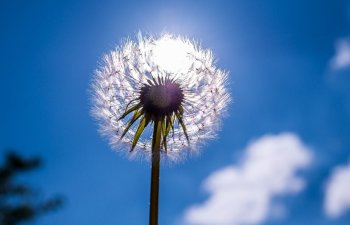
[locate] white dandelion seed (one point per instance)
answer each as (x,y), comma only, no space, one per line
(169,82)
(169,79)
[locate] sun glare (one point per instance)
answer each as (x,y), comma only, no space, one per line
(171,54)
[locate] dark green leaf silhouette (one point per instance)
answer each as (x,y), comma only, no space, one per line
(18,202)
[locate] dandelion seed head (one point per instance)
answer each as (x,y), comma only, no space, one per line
(167,78)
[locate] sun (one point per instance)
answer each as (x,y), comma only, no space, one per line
(172,54)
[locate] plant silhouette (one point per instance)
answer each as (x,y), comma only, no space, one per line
(19,202)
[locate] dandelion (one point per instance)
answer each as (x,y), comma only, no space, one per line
(159,97)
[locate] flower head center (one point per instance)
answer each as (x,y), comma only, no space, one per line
(161,99)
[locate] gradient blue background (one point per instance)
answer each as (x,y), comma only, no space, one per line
(278,55)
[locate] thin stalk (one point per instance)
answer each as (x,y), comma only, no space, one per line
(154,195)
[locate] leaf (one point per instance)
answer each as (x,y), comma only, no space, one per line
(164,135)
(181,110)
(179,117)
(135,107)
(143,124)
(169,124)
(149,82)
(135,117)
(156,137)
(154,80)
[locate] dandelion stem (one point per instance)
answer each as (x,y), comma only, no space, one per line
(153,213)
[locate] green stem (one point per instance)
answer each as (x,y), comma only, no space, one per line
(154,195)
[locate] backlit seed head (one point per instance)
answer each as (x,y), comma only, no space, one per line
(166,79)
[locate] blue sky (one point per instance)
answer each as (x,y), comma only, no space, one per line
(289,72)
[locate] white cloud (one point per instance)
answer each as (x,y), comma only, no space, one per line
(337,198)
(341,59)
(245,194)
